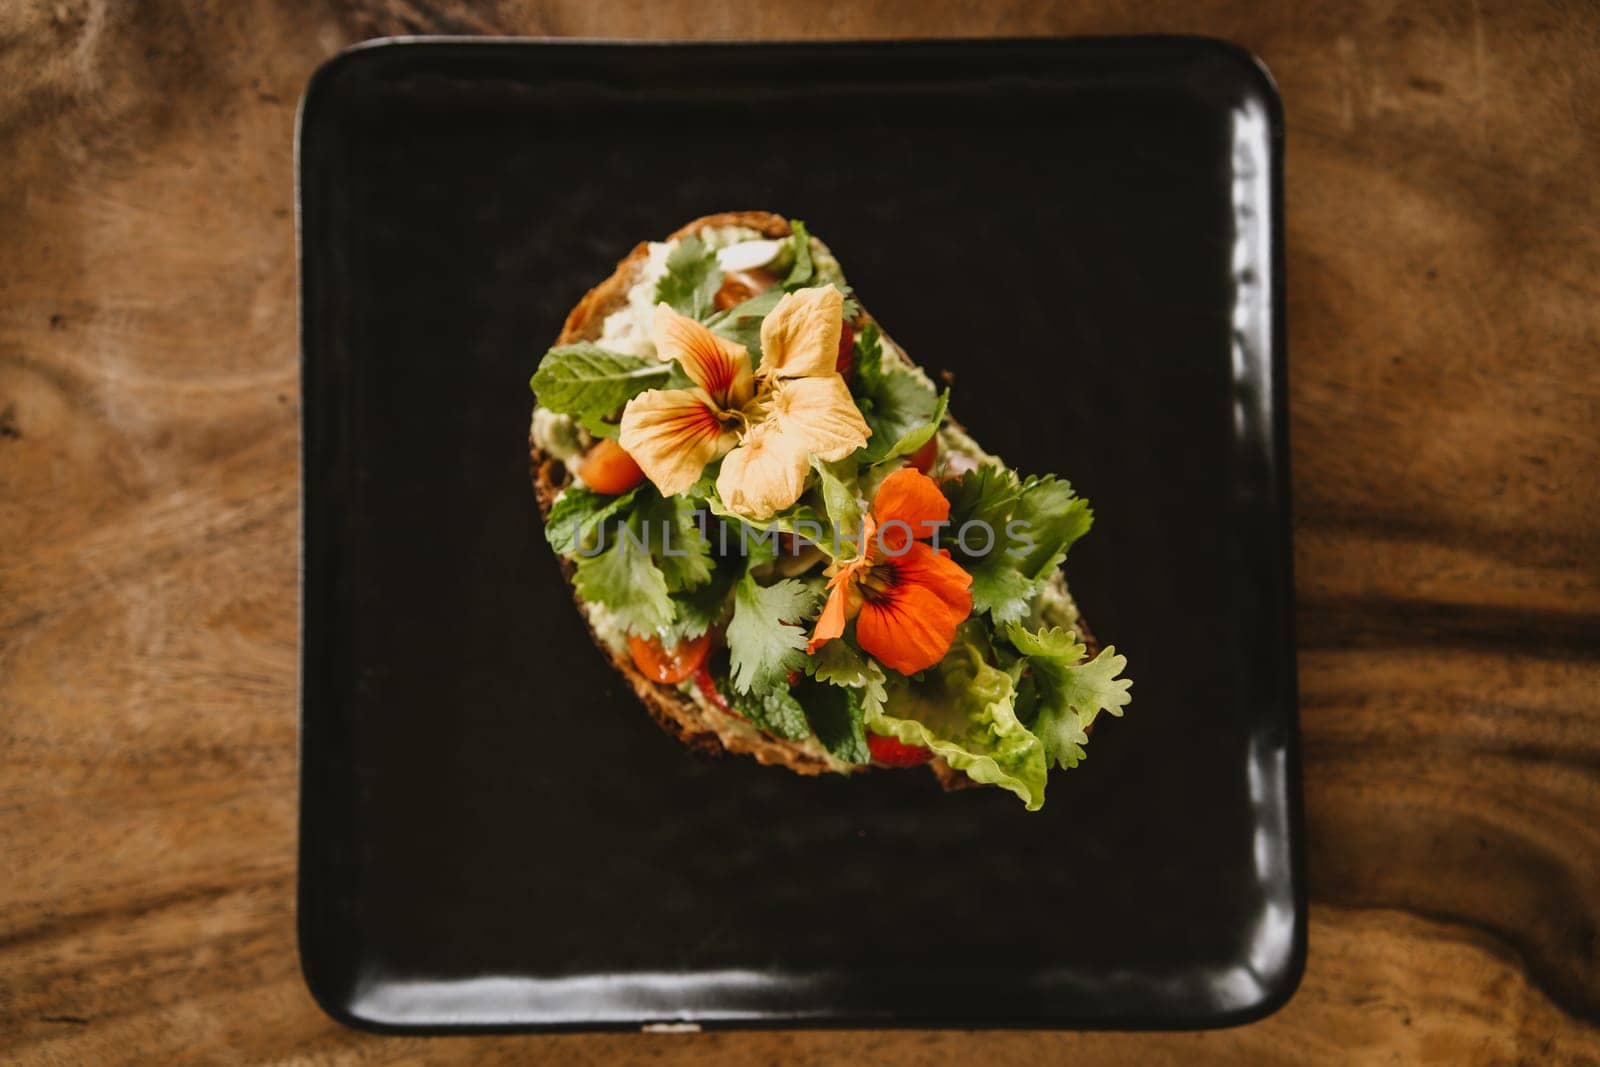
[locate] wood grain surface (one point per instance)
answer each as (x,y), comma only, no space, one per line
(1444,272)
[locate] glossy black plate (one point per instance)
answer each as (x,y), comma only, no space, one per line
(494,834)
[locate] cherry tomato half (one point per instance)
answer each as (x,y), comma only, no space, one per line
(668,666)
(890,752)
(608,469)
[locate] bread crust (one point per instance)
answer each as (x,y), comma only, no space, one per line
(707,732)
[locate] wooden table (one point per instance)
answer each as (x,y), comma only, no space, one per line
(1444,271)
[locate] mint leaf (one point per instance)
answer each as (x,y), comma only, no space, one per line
(837,720)
(578,514)
(624,579)
(692,279)
(775,711)
(913,439)
(839,663)
(765,637)
(897,405)
(1069,692)
(592,384)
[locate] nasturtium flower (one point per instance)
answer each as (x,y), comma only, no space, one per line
(907,597)
(768,424)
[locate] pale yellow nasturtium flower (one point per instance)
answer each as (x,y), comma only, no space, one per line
(768,424)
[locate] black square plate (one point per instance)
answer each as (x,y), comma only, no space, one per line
(493,833)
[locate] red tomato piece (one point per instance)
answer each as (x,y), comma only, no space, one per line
(668,666)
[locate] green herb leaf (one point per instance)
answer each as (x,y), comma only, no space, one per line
(801,273)
(624,579)
(592,384)
(766,638)
(776,711)
(578,514)
(677,545)
(839,499)
(1070,693)
(692,279)
(963,709)
(742,322)
(1033,523)
(897,405)
(837,719)
(913,439)
(869,360)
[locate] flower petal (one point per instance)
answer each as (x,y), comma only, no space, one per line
(910,624)
(672,434)
(719,366)
(935,570)
(830,623)
(911,497)
(766,473)
(800,337)
(822,412)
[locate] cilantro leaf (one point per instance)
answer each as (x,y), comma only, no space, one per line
(624,579)
(692,279)
(698,610)
(765,638)
(986,494)
(1033,523)
(1070,693)
(869,360)
(1055,517)
(776,711)
(801,273)
(592,384)
(677,545)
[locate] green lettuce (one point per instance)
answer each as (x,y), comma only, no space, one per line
(964,710)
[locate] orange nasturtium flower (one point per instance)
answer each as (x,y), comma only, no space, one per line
(907,597)
(768,424)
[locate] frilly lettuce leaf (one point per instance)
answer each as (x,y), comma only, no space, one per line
(1071,694)
(963,709)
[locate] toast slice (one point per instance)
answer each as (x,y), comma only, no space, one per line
(699,724)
